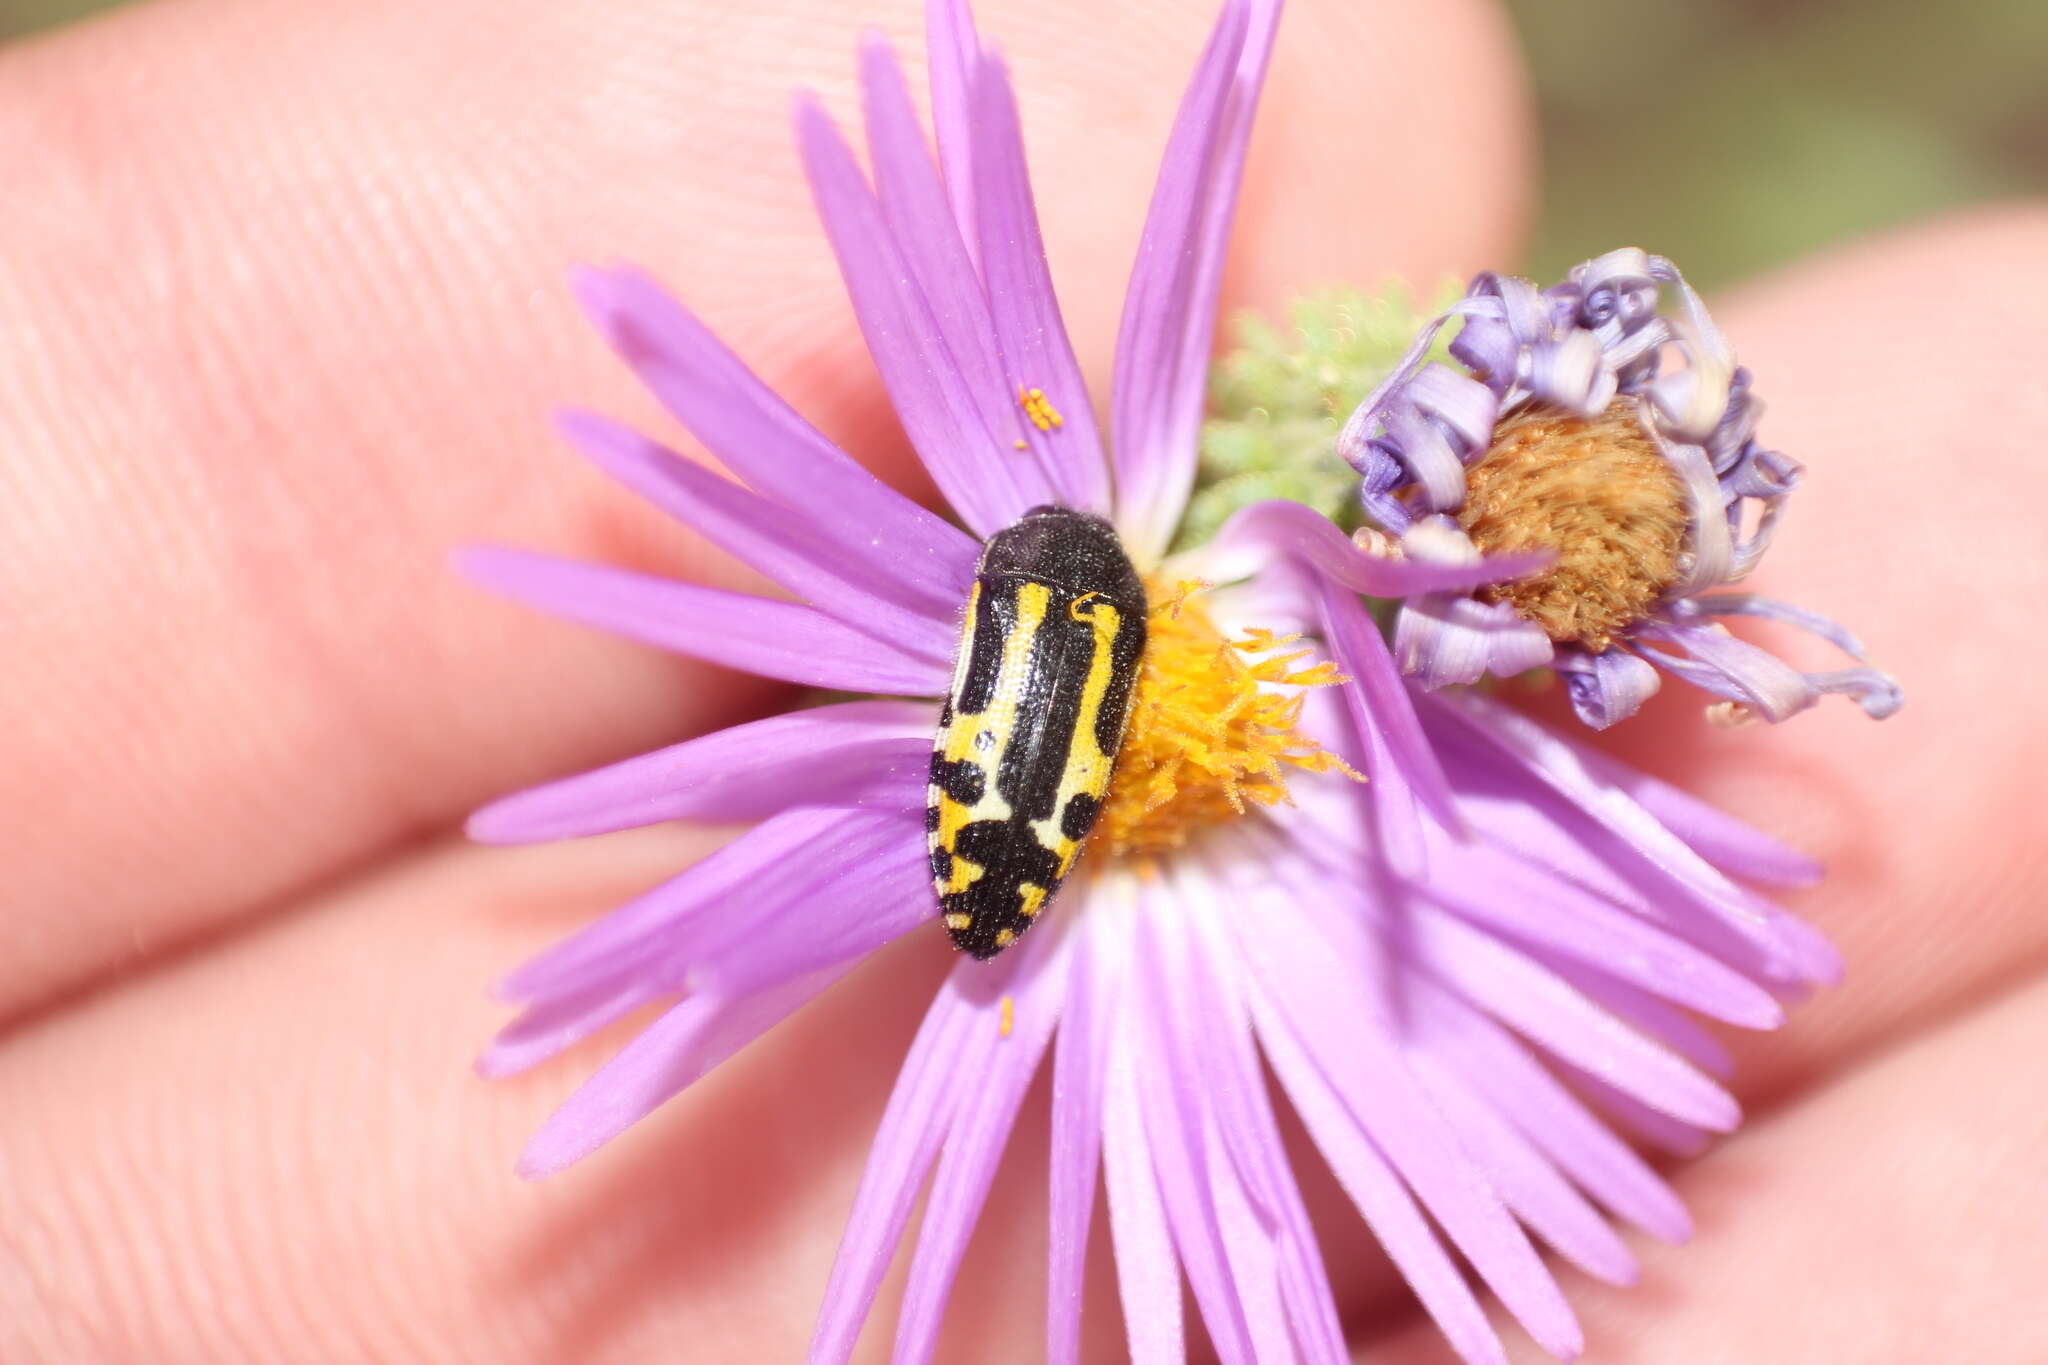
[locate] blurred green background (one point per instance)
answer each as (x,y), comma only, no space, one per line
(1734,134)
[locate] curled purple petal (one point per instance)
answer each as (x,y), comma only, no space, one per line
(1717,662)
(1257,534)
(1605,688)
(1440,639)
(1876,691)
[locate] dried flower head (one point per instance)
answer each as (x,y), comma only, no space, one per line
(1604,421)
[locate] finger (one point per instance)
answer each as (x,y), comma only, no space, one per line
(1887,370)
(279,1141)
(283,309)
(1896,1215)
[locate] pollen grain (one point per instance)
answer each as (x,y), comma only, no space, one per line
(1039,409)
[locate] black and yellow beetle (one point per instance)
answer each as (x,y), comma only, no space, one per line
(1049,656)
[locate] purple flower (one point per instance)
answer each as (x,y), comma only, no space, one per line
(1465,973)
(1613,397)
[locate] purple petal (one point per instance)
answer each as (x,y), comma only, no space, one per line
(1382,1200)
(1319,986)
(756,634)
(1646,1121)
(1717,662)
(1402,773)
(766,537)
(1570,372)
(1562,829)
(1711,547)
(1441,639)
(1651,1017)
(1548,1115)
(1526,1181)
(1465,407)
(983,326)
(1252,1258)
(616,947)
(863,884)
(1437,466)
(1501,893)
(1077,1085)
(867,752)
(1027,313)
(1876,691)
(1171,1100)
(1545,1008)
(689,925)
(1720,838)
(920,1109)
(953,52)
(1258,533)
(672,1053)
(773,450)
(1605,688)
(1147,1266)
(560,1022)
(981,1123)
(1218,1052)
(1162,353)
(945,415)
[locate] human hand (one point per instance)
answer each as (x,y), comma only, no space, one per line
(282,318)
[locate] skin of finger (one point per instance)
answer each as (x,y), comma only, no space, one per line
(282,314)
(1888,369)
(1901,256)
(274,1150)
(1893,1215)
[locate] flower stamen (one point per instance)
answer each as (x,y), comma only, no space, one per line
(1209,736)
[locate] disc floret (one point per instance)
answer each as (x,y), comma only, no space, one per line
(1212,730)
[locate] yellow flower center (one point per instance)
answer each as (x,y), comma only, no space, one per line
(1211,732)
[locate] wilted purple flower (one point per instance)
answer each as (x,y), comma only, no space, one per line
(1589,421)
(1460,972)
